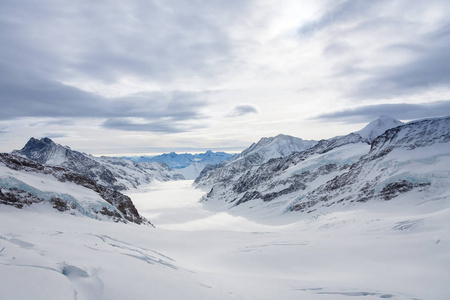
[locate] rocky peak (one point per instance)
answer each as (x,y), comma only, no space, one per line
(42,150)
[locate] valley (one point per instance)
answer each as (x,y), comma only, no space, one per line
(364,251)
(351,216)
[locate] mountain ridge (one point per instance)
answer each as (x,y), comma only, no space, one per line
(115,173)
(24,182)
(345,165)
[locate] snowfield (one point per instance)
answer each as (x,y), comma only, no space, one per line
(397,249)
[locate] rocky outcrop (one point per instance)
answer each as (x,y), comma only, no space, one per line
(377,175)
(122,208)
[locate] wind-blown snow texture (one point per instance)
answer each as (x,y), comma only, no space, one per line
(115,173)
(375,250)
(343,218)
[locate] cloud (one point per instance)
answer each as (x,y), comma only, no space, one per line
(29,96)
(157,41)
(164,126)
(430,68)
(337,13)
(56,53)
(383,49)
(54,135)
(242,110)
(402,111)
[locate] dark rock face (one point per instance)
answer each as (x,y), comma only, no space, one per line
(20,198)
(393,189)
(17,198)
(45,151)
(61,205)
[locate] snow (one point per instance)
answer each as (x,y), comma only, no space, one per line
(397,249)
(87,201)
(274,147)
(178,161)
(192,171)
(378,127)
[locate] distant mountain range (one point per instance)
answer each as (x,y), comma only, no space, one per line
(189,165)
(178,161)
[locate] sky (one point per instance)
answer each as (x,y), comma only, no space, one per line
(145,77)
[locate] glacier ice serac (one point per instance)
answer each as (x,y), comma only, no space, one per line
(364,215)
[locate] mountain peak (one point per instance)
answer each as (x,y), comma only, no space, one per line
(43,151)
(378,126)
(32,142)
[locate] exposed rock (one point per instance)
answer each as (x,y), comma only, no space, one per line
(126,211)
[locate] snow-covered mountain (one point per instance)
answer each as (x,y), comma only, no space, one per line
(257,154)
(24,182)
(192,171)
(178,161)
(341,219)
(273,147)
(115,173)
(413,158)
(188,165)
(378,127)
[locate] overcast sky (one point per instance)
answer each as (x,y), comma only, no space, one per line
(129,77)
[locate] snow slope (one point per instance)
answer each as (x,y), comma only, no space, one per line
(376,250)
(273,147)
(255,155)
(192,171)
(378,127)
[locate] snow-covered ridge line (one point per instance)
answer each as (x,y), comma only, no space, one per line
(24,182)
(178,161)
(114,173)
(414,156)
(258,153)
(341,170)
(188,165)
